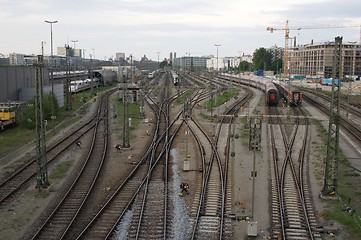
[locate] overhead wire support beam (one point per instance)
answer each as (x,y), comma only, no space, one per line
(126,100)
(332,156)
(42,181)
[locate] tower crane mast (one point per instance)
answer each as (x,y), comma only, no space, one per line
(287,29)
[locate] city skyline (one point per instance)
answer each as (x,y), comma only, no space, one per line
(151,27)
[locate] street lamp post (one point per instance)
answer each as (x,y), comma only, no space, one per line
(52,71)
(217,45)
(158,56)
(74,41)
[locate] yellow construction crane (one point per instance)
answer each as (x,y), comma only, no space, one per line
(287,37)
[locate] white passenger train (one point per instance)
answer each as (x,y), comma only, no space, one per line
(175,78)
(151,75)
(81,85)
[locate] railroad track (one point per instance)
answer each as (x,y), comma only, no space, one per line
(214,203)
(142,200)
(59,221)
(346,107)
(18,181)
(150,214)
(292,209)
(353,129)
(143,211)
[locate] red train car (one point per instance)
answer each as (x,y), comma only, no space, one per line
(295,98)
(271,94)
(295,95)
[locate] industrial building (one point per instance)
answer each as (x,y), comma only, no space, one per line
(190,63)
(315,60)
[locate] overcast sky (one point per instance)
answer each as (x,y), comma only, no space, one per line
(145,27)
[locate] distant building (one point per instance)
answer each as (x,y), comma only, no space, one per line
(127,73)
(171,56)
(247,58)
(212,64)
(120,57)
(231,62)
(146,64)
(61,51)
(190,63)
(144,59)
(4,60)
(277,52)
(77,53)
(17,59)
(316,59)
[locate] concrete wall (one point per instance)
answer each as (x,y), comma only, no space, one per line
(14,78)
(27,94)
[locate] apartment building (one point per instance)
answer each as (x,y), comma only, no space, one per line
(316,59)
(190,63)
(17,59)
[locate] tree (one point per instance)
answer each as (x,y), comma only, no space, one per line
(262,59)
(277,65)
(244,66)
(27,118)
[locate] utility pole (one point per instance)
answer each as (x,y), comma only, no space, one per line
(68,105)
(331,168)
(186,113)
(91,74)
(352,73)
(126,143)
(42,181)
(142,96)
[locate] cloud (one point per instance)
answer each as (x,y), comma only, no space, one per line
(141,26)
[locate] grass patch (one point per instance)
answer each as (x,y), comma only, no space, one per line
(338,212)
(185,96)
(41,194)
(221,99)
(133,113)
(69,122)
(14,138)
(60,170)
(207,117)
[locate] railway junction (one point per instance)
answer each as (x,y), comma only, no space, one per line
(251,170)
